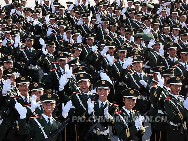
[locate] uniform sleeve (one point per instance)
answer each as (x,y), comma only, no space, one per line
(25,128)
(119,128)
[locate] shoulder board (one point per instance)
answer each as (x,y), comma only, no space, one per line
(119,112)
(168,98)
(27,105)
(32,117)
(52,70)
(113,104)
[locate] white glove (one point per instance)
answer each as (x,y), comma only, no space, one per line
(68,71)
(76,2)
(80,22)
(160,9)
(53,8)
(6,87)
(41,41)
(44,51)
(110,59)
(183,24)
(160,80)
(123,11)
(88,1)
(34,103)
(106,113)
(21,110)
(62,82)
(98,18)
(94,48)
(70,8)
(143,82)
(90,106)
(104,76)
(104,51)
(138,122)
(161,50)
(128,62)
(17,39)
(151,43)
(185,103)
(66,108)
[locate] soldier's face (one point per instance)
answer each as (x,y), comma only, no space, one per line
(84,86)
(77,53)
(8,65)
(103,93)
(129,103)
(184,56)
(172,52)
(6,1)
(23,89)
(121,54)
(48,108)
(138,66)
(29,43)
(175,89)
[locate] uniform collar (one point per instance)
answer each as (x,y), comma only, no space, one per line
(47,118)
(127,111)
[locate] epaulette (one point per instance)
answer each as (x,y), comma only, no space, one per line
(119,112)
(52,70)
(36,116)
(168,98)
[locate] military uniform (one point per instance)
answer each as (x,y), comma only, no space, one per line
(42,127)
(176,114)
(125,126)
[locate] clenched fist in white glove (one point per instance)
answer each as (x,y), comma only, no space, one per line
(21,110)
(128,62)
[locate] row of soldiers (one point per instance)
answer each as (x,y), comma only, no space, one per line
(71,72)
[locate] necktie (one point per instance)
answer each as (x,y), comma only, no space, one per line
(49,123)
(102,105)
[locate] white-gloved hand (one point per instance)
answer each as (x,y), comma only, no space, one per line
(62,82)
(76,2)
(44,51)
(123,11)
(128,62)
(160,80)
(185,103)
(183,24)
(106,113)
(41,41)
(98,18)
(17,39)
(161,50)
(90,106)
(68,71)
(104,51)
(159,10)
(104,76)
(143,82)
(21,110)
(6,87)
(138,122)
(80,21)
(94,48)
(110,59)
(70,7)
(151,43)
(34,103)
(66,108)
